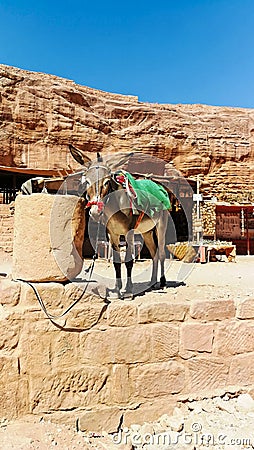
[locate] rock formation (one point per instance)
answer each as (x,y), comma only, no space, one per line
(41,114)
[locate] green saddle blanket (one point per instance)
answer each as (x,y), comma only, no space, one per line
(150,196)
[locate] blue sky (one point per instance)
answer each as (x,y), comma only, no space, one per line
(186,51)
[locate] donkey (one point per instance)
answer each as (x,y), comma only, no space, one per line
(109,203)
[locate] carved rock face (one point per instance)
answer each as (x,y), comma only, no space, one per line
(41,114)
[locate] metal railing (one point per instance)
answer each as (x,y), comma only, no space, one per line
(7,194)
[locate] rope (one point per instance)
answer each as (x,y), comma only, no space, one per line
(52,317)
(43,307)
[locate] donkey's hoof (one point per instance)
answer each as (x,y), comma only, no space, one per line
(163,282)
(153,285)
(114,294)
(126,295)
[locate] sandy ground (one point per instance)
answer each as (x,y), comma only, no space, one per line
(183,279)
(212,280)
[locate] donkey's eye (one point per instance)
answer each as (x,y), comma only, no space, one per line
(106,183)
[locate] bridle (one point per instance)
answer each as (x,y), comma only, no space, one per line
(99,203)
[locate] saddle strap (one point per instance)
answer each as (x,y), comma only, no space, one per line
(139,219)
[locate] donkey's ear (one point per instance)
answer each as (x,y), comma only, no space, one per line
(79,156)
(117,160)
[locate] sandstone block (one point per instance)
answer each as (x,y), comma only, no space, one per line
(234,337)
(163,312)
(9,367)
(207,374)
(104,419)
(8,399)
(197,337)
(86,316)
(74,291)
(22,397)
(34,351)
(10,325)
(67,389)
(64,350)
(9,292)
(119,384)
(87,312)
(242,370)
(121,315)
(42,346)
(51,294)
(165,342)
(48,237)
(150,411)
(9,386)
(212,309)
(37,324)
(245,309)
(152,380)
(117,345)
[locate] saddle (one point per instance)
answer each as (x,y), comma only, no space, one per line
(146,195)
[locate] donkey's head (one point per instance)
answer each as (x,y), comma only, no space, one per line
(96,180)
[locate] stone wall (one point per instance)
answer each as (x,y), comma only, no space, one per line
(6,228)
(208,215)
(108,363)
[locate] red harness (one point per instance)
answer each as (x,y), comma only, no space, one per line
(139,219)
(100,205)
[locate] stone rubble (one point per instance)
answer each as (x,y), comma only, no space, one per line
(220,423)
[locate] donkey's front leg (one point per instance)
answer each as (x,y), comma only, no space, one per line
(118,283)
(154,270)
(128,292)
(115,293)
(163,281)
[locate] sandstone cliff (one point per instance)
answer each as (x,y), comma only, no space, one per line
(41,114)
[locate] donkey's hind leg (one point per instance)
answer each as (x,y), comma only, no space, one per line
(161,233)
(151,245)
